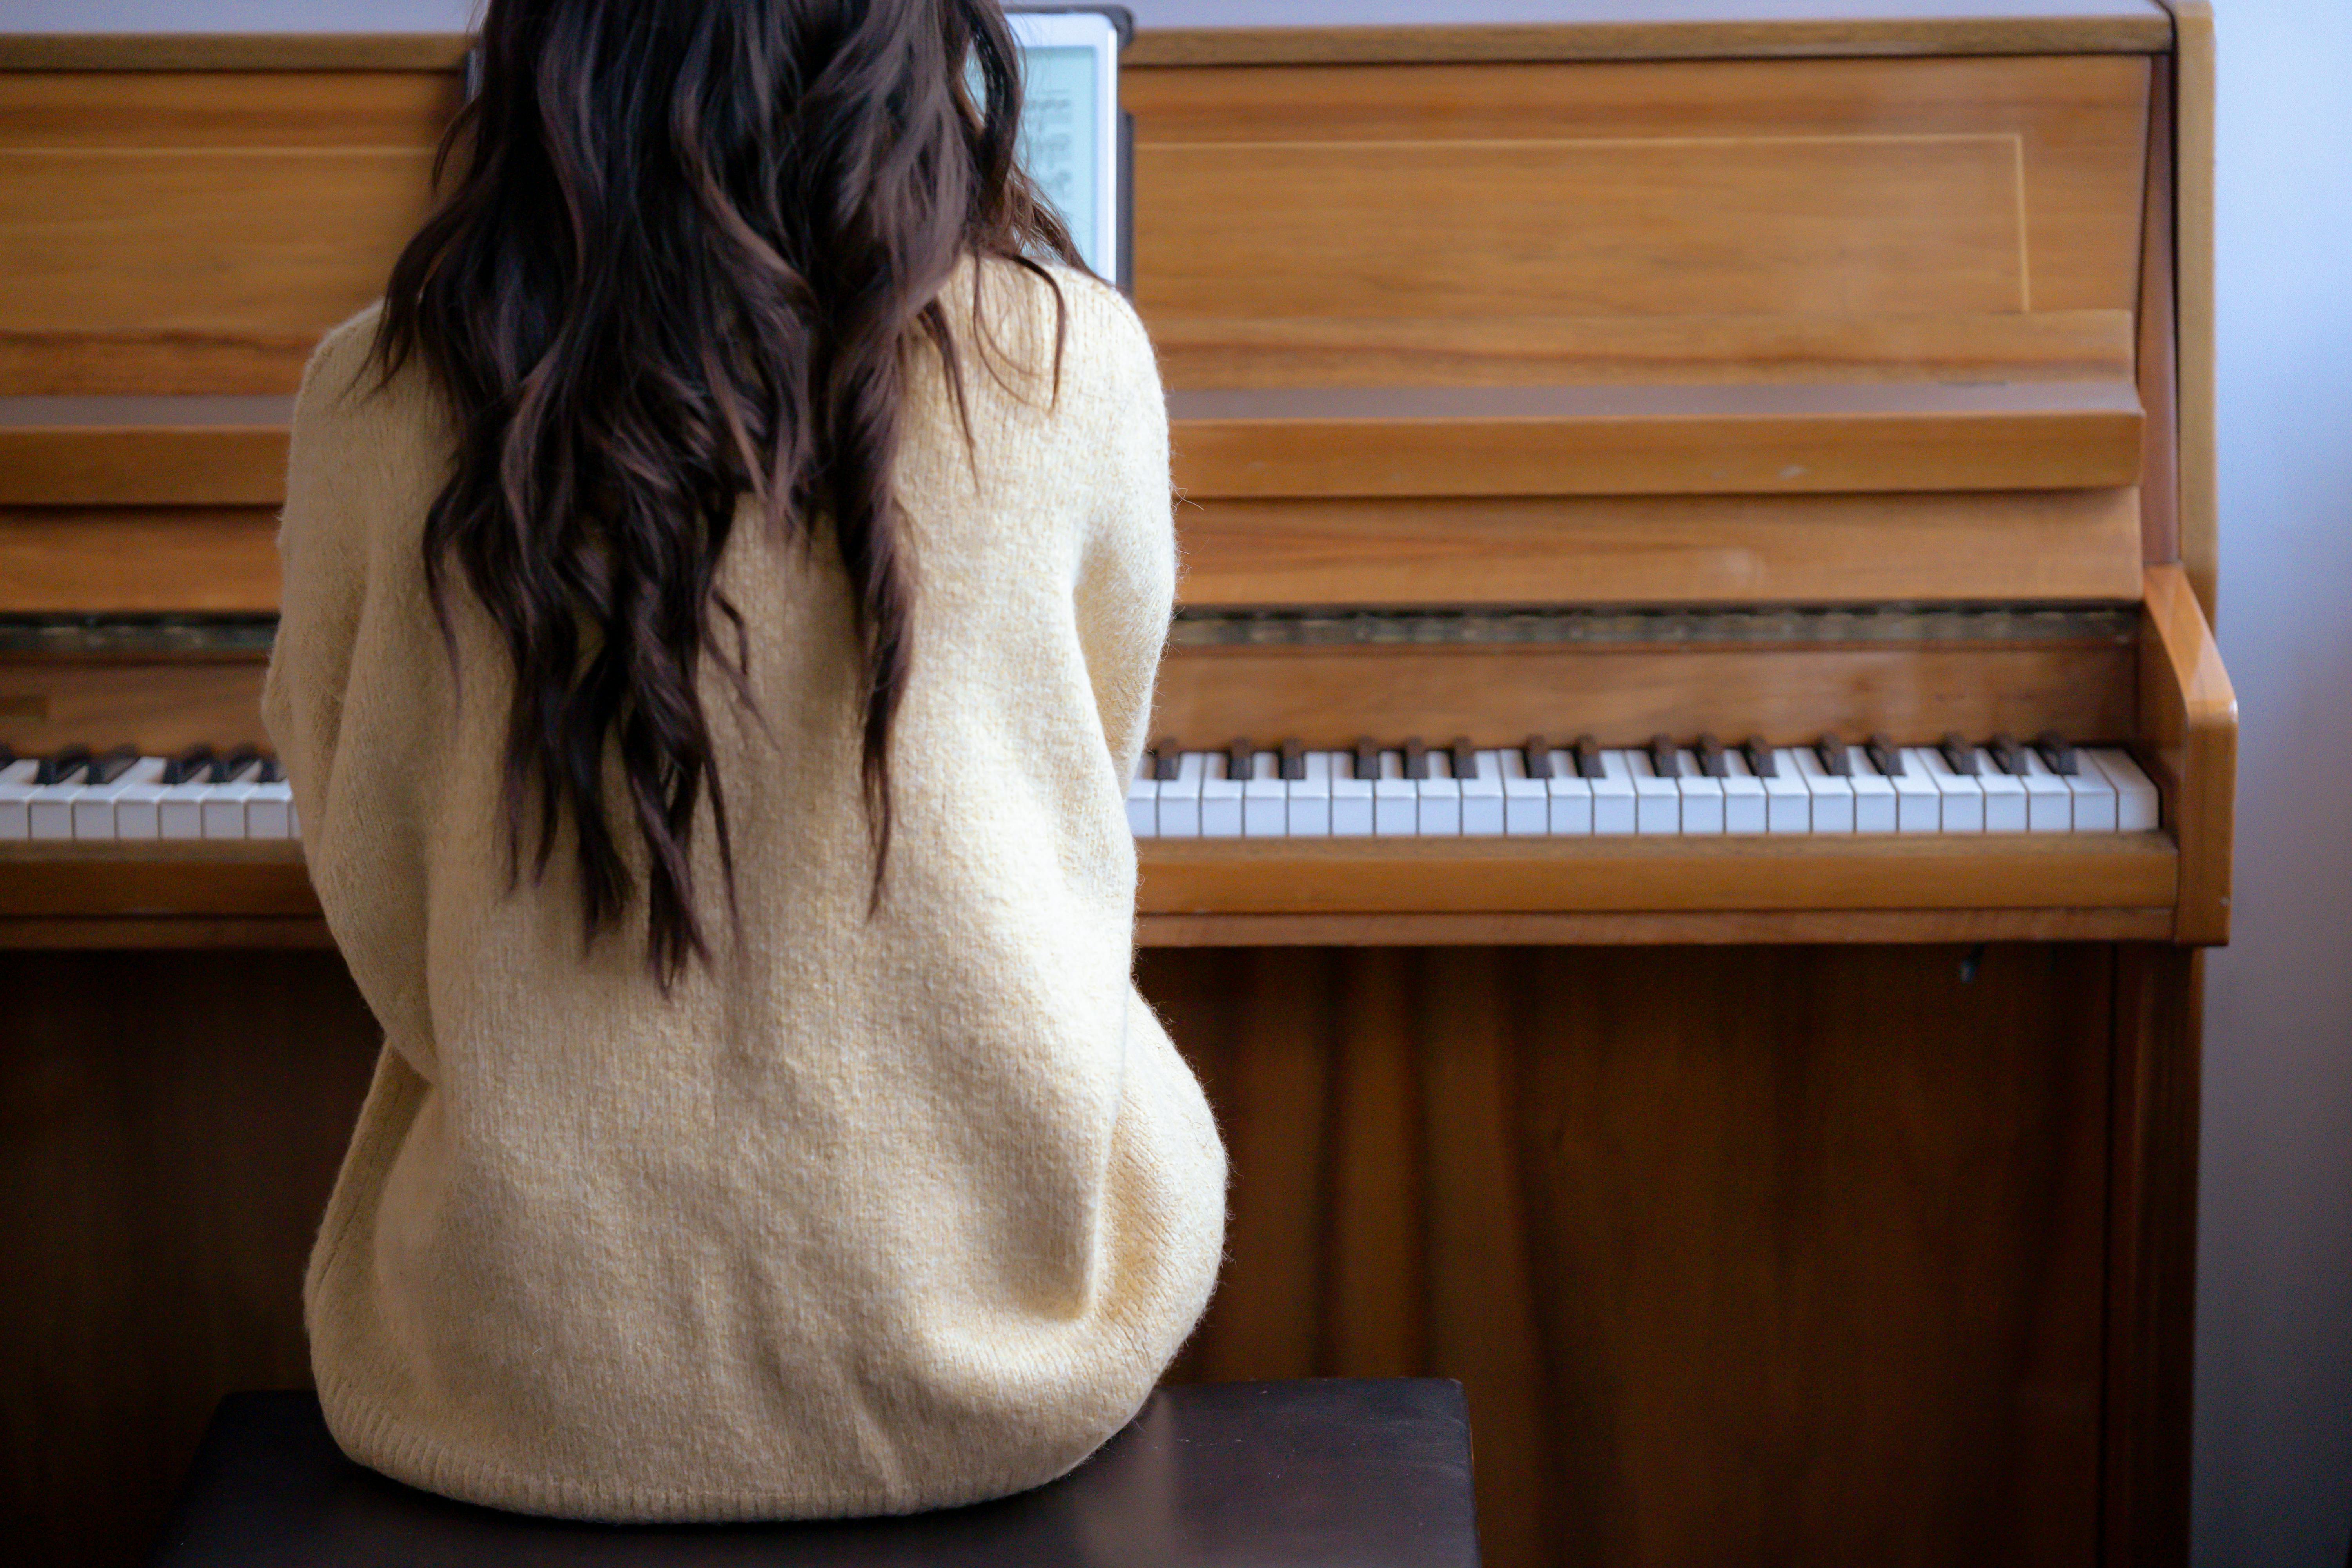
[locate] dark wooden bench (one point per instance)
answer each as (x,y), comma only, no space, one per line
(1336,1474)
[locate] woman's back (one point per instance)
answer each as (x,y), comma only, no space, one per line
(889,1199)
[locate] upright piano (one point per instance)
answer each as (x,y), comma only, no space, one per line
(1689,785)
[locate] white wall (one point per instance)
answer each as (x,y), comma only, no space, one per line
(2273,1486)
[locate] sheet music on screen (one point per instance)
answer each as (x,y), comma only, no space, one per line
(1069,125)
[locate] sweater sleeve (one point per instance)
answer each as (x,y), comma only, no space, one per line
(1126,571)
(357,839)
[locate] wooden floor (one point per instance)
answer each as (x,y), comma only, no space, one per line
(1745,1254)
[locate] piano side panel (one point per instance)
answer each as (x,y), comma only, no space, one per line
(1746,1256)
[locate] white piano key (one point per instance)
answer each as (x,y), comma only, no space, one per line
(1180,797)
(1482,797)
(98,815)
(1396,800)
(269,811)
(1265,799)
(1702,802)
(2095,796)
(1918,803)
(2138,808)
(1615,807)
(1351,800)
(1875,809)
(1527,800)
(17,789)
(2049,804)
(1746,808)
(1143,800)
(1963,795)
(1310,796)
(1657,802)
(1441,797)
(2004,797)
(1573,802)
(1832,794)
(48,810)
(1788,803)
(1221,799)
(224,804)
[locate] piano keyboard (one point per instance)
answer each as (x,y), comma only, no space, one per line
(1537,790)
(118,795)
(1666,788)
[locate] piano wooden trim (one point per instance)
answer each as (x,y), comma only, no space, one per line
(2188,723)
(2192,184)
(1885,28)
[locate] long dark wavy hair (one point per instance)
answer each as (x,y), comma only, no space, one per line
(689,251)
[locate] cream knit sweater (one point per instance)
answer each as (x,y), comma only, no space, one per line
(868,1215)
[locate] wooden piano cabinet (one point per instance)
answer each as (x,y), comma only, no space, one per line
(1746,1256)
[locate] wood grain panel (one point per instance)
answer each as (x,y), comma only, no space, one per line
(1655,550)
(1498,695)
(2078,125)
(2192,184)
(1863,224)
(172,1124)
(157,705)
(1360,875)
(138,560)
(1712,928)
(2188,720)
(1786,1256)
(1407,350)
(1650,440)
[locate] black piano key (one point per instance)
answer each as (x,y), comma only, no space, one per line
(2008,755)
(1711,758)
(1664,762)
(1538,755)
(60,767)
(270,770)
(112,765)
(1959,756)
(1241,759)
(1836,759)
(231,765)
(1762,760)
(1588,758)
(2060,755)
(188,766)
(1416,759)
(1368,758)
(1294,760)
(1465,758)
(7,754)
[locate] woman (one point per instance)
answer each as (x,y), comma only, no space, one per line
(723,583)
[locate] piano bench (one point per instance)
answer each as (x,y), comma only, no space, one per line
(1324,1473)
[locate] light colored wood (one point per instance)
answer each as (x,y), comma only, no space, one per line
(160,705)
(199,880)
(188,232)
(239,52)
(2058,544)
(2158,349)
(213,466)
(2188,725)
(1655,441)
(1728,31)
(132,560)
(2193,268)
(1724,928)
(1675,349)
(1666,189)
(1634,876)
(1497,695)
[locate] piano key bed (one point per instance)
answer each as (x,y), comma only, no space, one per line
(1667,789)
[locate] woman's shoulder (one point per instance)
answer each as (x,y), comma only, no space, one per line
(1059,325)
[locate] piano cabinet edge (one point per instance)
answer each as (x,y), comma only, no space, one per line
(2188,730)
